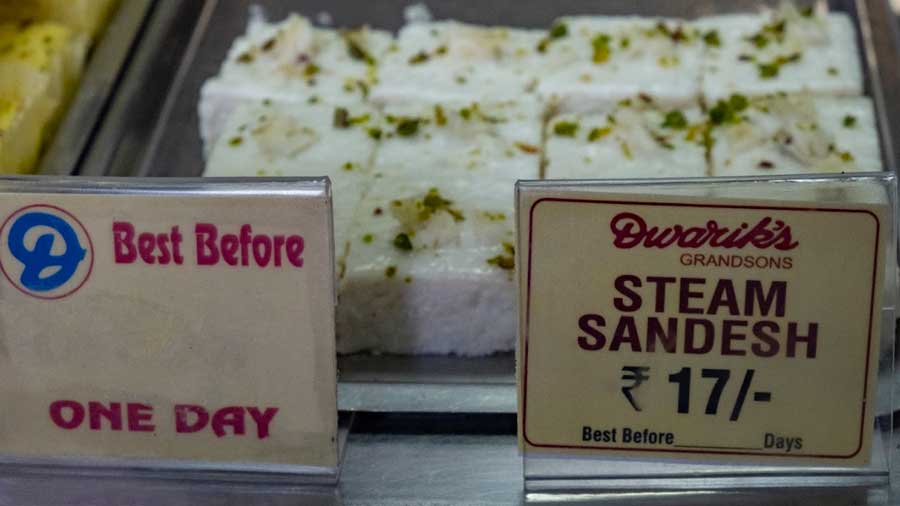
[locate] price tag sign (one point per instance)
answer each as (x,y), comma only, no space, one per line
(168,323)
(712,329)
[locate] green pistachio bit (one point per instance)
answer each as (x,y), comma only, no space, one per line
(626,150)
(506,262)
(763,38)
(768,70)
(759,40)
(558,31)
(677,35)
(245,58)
(391,271)
(709,142)
(368,238)
(439,117)
(601,47)
(738,102)
(358,120)
(712,39)
(675,120)
(267,102)
(776,28)
(348,166)
(530,149)
(341,118)
(465,113)
(374,133)
(565,129)
(461,80)
(598,133)
(846,156)
(807,12)
(418,58)
(434,203)
(833,71)
(313,99)
(363,88)
(441,50)
(663,141)
(311,70)
(235,141)
(509,248)
(668,61)
(849,121)
(407,127)
(357,51)
(625,43)
(772,69)
(407,279)
(403,242)
(728,111)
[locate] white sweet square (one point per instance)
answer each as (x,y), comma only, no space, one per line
(292,61)
(631,142)
(590,64)
(782,135)
(430,269)
(498,141)
(452,61)
(782,51)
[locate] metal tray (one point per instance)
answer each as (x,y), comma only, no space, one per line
(103,70)
(160,137)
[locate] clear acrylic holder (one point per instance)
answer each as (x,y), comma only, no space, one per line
(120,336)
(546,474)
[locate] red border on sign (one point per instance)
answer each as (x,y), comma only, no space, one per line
(698,451)
(83,229)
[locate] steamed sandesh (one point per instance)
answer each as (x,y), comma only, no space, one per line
(636,140)
(452,61)
(590,64)
(787,50)
(292,61)
(430,268)
(793,134)
(496,141)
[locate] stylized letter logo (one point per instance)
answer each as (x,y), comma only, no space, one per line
(46,252)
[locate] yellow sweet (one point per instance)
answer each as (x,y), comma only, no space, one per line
(40,64)
(21,133)
(84,16)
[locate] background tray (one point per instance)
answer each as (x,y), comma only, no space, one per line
(152,130)
(104,68)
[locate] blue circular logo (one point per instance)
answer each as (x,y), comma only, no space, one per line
(46,252)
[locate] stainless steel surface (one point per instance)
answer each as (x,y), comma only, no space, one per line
(402,466)
(120,147)
(152,129)
(104,68)
(427,384)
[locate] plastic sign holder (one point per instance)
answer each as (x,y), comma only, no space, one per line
(169,326)
(727,333)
